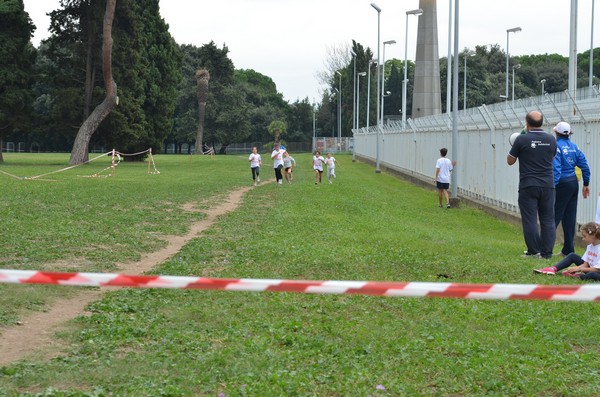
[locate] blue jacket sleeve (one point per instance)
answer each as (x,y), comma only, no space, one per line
(557,166)
(585,168)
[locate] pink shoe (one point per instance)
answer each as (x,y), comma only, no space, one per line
(547,270)
(575,275)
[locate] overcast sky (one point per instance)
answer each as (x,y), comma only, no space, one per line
(288,40)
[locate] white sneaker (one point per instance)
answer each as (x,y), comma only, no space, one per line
(279,181)
(258,179)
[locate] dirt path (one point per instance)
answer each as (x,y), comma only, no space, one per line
(35,333)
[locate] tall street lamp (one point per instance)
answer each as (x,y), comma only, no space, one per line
(378,56)
(416,12)
(455,138)
(591,72)
(383,77)
(518,66)
(543,82)
(377,170)
(449,70)
(361,74)
(339,109)
(314,109)
(358,76)
(371,62)
(354,91)
(508,32)
(468,54)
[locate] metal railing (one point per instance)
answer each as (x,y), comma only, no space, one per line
(483,132)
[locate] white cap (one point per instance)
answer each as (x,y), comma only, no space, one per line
(563,128)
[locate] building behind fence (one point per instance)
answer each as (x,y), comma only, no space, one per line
(482,173)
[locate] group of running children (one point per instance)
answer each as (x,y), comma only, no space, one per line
(587,267)
(282,161)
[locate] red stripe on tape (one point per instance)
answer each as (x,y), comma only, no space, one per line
(584,292)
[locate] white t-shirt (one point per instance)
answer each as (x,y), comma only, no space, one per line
(445,166)
(330,162)
(318,162)
(277,156)
(254,160)
(592,256)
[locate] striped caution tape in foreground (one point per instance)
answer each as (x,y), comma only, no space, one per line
(585,292)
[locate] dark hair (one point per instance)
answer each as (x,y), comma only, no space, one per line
(533,120)
(443,152)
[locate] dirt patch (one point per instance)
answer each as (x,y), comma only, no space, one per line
(34,334)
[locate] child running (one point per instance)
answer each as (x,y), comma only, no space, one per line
(277,157)
(318,166)
(588,265)
(287,166)
(255,164)
(331,163)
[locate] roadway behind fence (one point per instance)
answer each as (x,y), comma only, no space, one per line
(482,172)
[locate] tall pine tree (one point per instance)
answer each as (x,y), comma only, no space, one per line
(18,57)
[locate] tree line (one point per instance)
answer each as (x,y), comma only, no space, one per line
(486,80)
(46,93)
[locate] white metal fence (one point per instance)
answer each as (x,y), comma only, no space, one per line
(332,145)
(481,171)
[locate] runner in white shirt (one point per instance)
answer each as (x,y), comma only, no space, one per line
(255,164)
(287,166)
(318,166)
(277,157)
(331,162)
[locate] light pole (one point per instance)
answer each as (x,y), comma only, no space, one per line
(468,54)
(449,71)
(416,12)
(314,125)
(361,74)
(354,91)
(543,82)
(517,66)
(572,89)
(333,125)
(508,32)
(383,77)
(358,76)
(591,72)
(339,109)
(371,62)
(377,169)
(455,138)
(378,56)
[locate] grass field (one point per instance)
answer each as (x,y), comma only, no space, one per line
(365,226)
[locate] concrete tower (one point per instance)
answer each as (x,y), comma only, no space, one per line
(426,92)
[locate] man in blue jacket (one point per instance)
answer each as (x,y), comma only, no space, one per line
(568,156)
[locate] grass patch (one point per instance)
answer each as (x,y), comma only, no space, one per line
(363,227)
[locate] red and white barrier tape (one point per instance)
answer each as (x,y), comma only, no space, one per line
(585,292)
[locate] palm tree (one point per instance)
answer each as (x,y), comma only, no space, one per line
(202,78)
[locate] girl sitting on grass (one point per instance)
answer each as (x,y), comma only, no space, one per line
(588,265)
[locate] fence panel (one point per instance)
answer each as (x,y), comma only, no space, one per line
(482,172)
